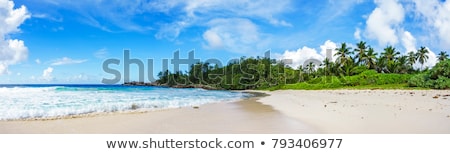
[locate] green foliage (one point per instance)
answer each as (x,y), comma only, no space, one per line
(329,82)
(364,79)
(437,78)
(358,68)
(418,80)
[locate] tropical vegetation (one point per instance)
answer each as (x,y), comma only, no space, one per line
(359,67)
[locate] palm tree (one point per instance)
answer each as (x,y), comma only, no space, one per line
(412,58)
(310,67)
(361,52)
(301,73)
(422,55)
(343,54)
(442,56)
(401,65)
(371,58)
(327,63)
(390,54)
(381,64)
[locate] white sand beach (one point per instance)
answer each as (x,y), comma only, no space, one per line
(366,111)
(284,111)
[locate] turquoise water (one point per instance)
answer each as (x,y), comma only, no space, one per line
(48,101)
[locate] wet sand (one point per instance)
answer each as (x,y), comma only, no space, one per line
(284,111)
(244,117)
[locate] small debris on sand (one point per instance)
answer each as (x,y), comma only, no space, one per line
(436,97)
(196,107)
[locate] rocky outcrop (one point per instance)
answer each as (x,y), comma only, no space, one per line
(156,84)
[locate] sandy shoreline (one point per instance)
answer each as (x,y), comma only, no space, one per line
(243,117)
(285,111)
(366,111)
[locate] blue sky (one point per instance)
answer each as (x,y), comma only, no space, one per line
(65,41)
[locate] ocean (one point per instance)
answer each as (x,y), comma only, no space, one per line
(53,101)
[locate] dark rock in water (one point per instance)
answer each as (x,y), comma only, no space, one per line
(156,84)
(134,106)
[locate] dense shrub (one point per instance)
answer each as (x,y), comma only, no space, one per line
(366,78)
(371,77)
(437,78)
(418,80)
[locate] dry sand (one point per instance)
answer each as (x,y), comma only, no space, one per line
(366,111)
(286,111)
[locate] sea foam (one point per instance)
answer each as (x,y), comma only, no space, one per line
(24,102)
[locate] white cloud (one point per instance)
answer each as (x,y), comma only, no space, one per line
(357,34)
(47,74)
(384,21)
(431,61)
(214,41)
(408,41)
(436,15)
(38,61)
(171,31)
(301,55)
(66,61)
(12,51)
(199,12)
(235,35)
(79,78)
(101,53)
(328,45)
(46,16)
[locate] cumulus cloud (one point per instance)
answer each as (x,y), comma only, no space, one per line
(431,61)
(386,24)
(383,23)
(236,35)
(196,13)
(305,53)
(327,46)
(436,15)
(408,41)
(66,61)
(12,51)
(47,74)
(214,41)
